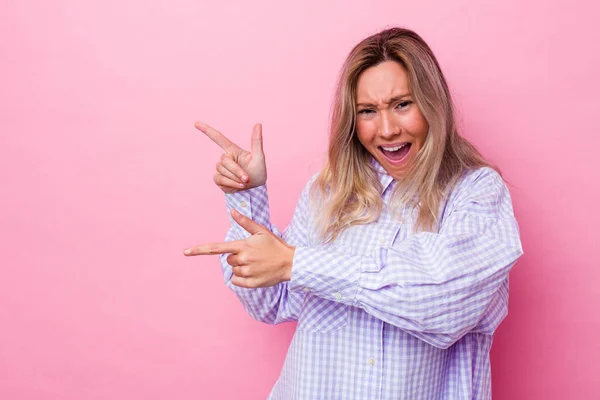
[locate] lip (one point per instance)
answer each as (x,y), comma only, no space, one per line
(395,162)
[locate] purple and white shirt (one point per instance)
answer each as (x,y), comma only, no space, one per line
(384,312)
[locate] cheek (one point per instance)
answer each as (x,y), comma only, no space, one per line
(364,131)
(418,126)
(422,131)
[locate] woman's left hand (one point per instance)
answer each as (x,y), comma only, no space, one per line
(261,260)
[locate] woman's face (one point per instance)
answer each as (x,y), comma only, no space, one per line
(389,125)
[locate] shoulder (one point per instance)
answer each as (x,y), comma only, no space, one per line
(483,176)
(307,193)
(480,190)
(484,179)
(309,184)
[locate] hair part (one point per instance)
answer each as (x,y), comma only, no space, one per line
(348,186)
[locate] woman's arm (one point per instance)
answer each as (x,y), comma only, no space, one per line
(436,286)
(242,176)
(273,304)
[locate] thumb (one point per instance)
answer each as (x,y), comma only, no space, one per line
(257,143)
(250,226)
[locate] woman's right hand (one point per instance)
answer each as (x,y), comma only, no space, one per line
(238,168)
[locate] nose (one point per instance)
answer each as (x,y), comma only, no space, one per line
(389,127)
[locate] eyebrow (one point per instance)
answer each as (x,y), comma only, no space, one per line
(392,100)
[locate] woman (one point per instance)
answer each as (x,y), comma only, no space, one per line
(396,261)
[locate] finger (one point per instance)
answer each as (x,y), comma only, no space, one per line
(234,167)
(242,272)
(224,181)
(217,137)
(235,260)
(246,223)
(257,143)
(215,248)
(227,173)
(242,282)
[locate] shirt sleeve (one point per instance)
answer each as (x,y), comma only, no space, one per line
(273,304)
(436,286)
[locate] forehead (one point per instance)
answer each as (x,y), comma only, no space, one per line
(382,82)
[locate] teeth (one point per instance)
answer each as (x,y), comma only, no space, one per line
(393,148)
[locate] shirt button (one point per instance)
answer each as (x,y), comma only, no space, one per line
(243,204)
(372,361)
(382,241)
(338,296)
(306,289)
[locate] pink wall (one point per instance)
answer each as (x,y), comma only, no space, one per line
(103,181)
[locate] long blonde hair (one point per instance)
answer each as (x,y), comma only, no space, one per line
(348,185)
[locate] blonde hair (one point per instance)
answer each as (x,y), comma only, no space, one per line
(348,184)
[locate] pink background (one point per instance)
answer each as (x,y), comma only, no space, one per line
(104,180)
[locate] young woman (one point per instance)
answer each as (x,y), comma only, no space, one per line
(396,261)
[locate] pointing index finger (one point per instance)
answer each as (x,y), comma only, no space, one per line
(215,248)
(217,137)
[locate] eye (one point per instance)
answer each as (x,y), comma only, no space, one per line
(366,111)
(403,104)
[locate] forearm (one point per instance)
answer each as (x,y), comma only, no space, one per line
(254,204)
(436,287)
(272,304)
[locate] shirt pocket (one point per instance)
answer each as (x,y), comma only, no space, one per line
(320,315)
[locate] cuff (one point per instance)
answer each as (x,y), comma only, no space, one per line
(253,203)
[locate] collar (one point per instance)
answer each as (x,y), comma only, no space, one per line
(384,178)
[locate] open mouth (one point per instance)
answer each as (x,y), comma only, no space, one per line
(396,154)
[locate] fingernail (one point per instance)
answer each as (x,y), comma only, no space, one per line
(244,178)
(241,185)
(187,252)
